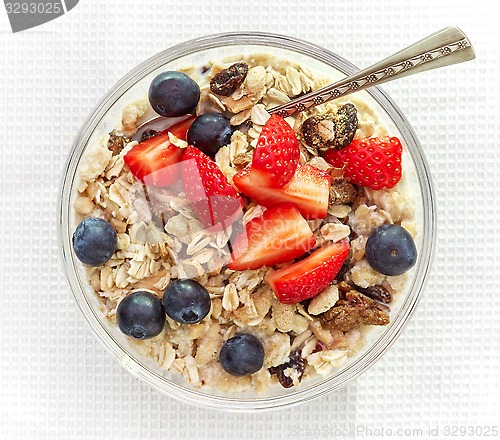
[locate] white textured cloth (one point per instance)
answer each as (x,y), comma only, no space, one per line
(58,382)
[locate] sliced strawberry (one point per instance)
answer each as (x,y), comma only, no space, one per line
(180,129)
(215,202)
(308,277)
(308,190)
(155,161)
(277,152)
(281,234)
(372,162)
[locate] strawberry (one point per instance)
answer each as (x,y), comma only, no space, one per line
(214,201)
(155,161)
(309,190)
(308,277)
(372,162)
(281,234)
(277,153)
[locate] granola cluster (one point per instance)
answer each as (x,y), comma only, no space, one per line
(159,238)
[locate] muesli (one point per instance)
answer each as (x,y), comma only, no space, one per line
(239,249)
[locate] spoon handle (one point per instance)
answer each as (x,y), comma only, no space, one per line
(443,48)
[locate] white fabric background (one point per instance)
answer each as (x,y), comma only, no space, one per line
(57,381)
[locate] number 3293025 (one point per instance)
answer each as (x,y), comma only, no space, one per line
(33,8)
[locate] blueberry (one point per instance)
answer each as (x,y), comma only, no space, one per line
(140,315)
(391,250)
(94,241)
(173,94)
(241,355)
(209,132)
(186,301)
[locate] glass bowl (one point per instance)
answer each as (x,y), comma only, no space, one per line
(104,118)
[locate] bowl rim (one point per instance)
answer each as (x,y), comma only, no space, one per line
(302,395)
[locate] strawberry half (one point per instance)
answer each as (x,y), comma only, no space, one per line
(372,162)
(281,234)
(277,153)
(308,277)
(214,201)
(155,161)
(308,190)
(180,129)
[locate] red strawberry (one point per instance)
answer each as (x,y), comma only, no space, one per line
(281,234)
(277,153)
(309,190)
(180,129)
(308,277)
(372,162)
(214,200)
(155,161)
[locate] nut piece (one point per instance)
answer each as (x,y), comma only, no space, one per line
(346,125)
(331,131)
(356,310)
(342,192)
(226,81)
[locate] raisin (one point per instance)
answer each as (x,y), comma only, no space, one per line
(226,81)
(346,124)
(344,269)
(378,293)
(148,134)
(296,362)
(117,143)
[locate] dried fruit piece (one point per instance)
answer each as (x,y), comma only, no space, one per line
(353,312)
(331,131)
(378,293)
(294,366)
(346,267)
(342,192)
(117,143)
(226,81)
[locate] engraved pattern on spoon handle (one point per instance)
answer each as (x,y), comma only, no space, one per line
(446,47)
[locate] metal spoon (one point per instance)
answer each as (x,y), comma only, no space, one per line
(443,48)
